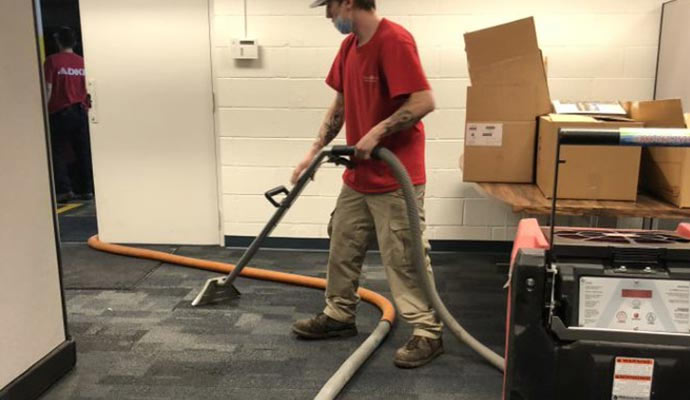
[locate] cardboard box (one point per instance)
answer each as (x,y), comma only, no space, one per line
(503,103)
(658,113)
(687,120)
(509,54)
(500,143)
(509,92)
(665,171)
(527,70)
(510,161)
(589,172)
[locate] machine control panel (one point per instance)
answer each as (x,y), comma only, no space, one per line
(635,304)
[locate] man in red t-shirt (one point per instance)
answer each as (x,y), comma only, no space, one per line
(382,95)
(69,130)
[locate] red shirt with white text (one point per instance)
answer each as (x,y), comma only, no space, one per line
(65,72)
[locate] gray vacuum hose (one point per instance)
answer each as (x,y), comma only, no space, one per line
(419,261)
(338,380)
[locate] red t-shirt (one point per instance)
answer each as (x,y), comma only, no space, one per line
(65,71)
(376,79)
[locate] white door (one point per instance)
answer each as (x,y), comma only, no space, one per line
(31,313)
(148,63)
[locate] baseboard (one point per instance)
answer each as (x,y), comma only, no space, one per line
(472,246)
(42,375)
(478,246)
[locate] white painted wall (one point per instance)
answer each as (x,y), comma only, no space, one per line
(270,110)
(154,147)
(31,318)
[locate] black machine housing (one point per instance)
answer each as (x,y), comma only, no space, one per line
(546,359)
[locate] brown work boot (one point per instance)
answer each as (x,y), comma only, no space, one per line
(323,327)
(418,351)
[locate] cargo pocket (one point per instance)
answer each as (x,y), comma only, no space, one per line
(329,229)
(401,242)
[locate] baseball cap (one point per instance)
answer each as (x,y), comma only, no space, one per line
(318,3)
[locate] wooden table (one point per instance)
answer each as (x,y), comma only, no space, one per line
(529,199)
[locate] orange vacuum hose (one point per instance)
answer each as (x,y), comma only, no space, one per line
(387,310)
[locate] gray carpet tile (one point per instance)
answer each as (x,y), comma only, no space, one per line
(147,342)
(85,268)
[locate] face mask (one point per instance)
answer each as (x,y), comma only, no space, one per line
(343,25)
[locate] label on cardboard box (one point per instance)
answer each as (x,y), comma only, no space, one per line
(484,134)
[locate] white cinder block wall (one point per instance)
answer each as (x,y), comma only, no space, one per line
(269,111)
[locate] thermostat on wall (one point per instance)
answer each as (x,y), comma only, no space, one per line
(244,49)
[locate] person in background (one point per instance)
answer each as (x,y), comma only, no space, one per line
(69,130)
(382,94)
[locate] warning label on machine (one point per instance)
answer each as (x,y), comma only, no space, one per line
(632,379)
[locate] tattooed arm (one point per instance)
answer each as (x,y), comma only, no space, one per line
(332,124)
(418,105)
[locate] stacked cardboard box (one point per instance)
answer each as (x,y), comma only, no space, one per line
(509,92)
(609,172)
(665,171)
(589,172)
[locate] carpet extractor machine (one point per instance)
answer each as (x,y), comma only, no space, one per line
(600,313)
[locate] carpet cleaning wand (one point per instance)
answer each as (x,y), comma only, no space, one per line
(220,289)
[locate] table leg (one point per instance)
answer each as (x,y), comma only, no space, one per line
(650,223)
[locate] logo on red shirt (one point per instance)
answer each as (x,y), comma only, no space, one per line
(71,71)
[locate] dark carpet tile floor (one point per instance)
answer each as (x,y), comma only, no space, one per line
(139,338)
(111,273)
(78,224)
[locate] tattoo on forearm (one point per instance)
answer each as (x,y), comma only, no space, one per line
(332,127)
(335,124)
(403,119)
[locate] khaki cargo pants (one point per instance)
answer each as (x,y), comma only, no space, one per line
(358,219)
